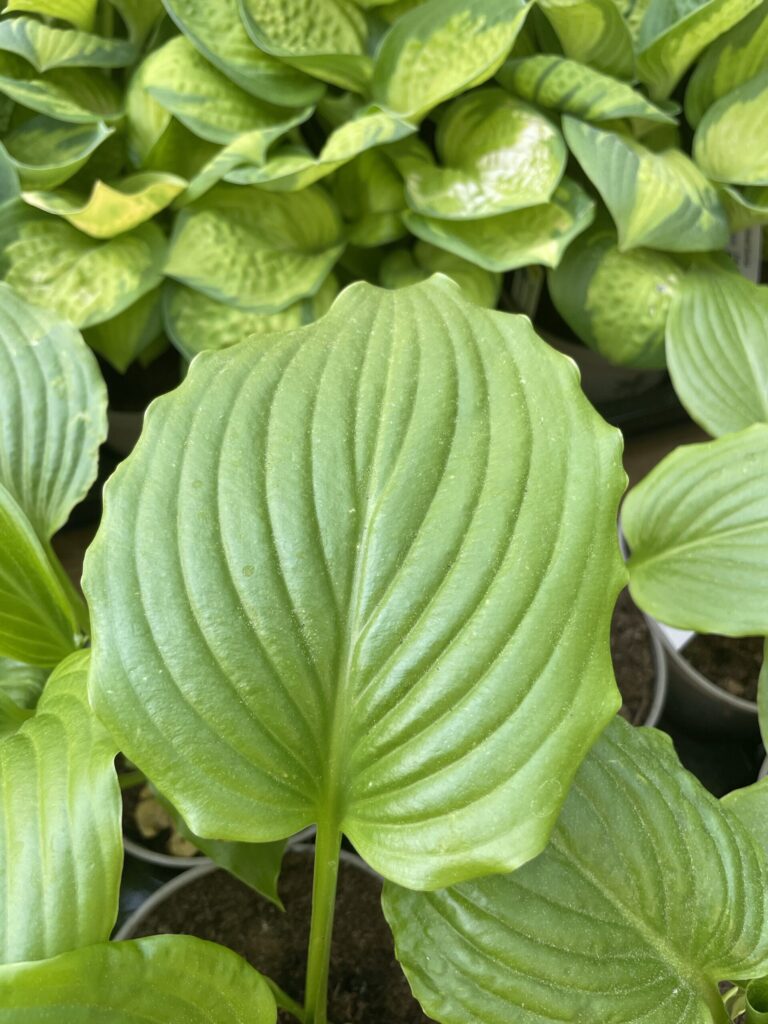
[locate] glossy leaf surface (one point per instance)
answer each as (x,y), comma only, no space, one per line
(732,138)
(697,527)
(592,32)
(648,895)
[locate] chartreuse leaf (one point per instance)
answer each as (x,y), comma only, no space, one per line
(633,12)
(46,153)
(54,413)
(539,234)
(441,48)
(21,683)
(616,302)
(719,146)
(497,153)
(657,200)
(369,664)
(370,196)
(80,13)
(717,350)
(730,61)
(747,207)
(86,281)
(77,95)
(757,1002)
(46,46)
(592,32)
(674,32)
(61,848)
(324,38)
(126,336)
(647,896)
(217,30)
(163,979)
(409,266)
(111,209)
(575,88)
(697,527)
(139,16)
(12,716)
(195,322)
(256,250)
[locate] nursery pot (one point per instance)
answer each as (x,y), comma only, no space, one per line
(168,860)
(661,683)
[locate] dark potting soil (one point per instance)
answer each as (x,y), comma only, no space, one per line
(732,663)
(633,662)
(367,985)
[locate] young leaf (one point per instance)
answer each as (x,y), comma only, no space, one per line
(163,979)
(80,13)
(647,896)
(370,195)
(61,847)
(126,336)
(217,30)
(539,234)
(405,267)
(256,250)
(47,47)
(77,95)
(577,89)
(719,146)
(593,32)
(697,527)
(717,350)
(497,154)
(46,153)
(657,200)
(370,646)
(441,48)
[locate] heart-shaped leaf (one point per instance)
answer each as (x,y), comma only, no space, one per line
(730,61)
(717,350)
(657,200)
(616,302)
(409,266)
(126,336)
(497,154)
(217,30)
(51,264)
(674,32)
(577,89)
(47,153)
(719,146)
(369,650)
(46,46)
(540,234)
(61,846)
(441,48)
(592,32)
(256,250)
(77,95)
(697,527)
(111,209)
(77,12)
(647,896)
(163,979)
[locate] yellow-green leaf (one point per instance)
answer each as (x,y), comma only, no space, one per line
(592,32)
(731,142)
(77,12)
(47,153)
(77,95)
(123,338)
(46,46)
(409,266)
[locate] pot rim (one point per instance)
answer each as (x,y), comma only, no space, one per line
(661,680)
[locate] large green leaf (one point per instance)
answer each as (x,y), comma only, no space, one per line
(256,250)
(674,32)
(163,979)
(441,48)
(47,153)
(196,322)
(697,527)
(53,407)
(540,234)
(86,281)
(657,200)
(61,847)
(731,142)
(577,89)
(409,266)
(325,38)
(717,350)
(379,514)
(77,95)
(592,32)
(111,209)
(616,302)
(77,12)
(123,338)
(732,60)
(648,895)
(218,32)
(750,806)
(46,46)
(497,154)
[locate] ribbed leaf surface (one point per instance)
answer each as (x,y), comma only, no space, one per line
(46,46)
(77,95)
(731,140)
(593,32)
(46,152)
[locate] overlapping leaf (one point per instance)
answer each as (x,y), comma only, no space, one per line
(647,896)
(76,95)
(46,153)
(746,207)
(697,527)
(409,266)
(47,46)
(731,142)
(370,195)
(366,497)
(125,337)
(592,32)
(21,683)
(80,13)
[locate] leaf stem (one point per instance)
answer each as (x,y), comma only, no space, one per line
(327,855)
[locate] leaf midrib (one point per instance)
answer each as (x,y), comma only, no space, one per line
(674,550)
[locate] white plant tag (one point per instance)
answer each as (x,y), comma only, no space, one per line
(746,248)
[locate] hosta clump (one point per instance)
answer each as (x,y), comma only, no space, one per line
(351,135)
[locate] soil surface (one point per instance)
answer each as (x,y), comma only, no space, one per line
(731,663)
(632,656)
(367,985)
